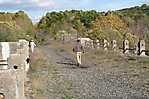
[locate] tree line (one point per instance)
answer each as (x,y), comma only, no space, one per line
(130,23)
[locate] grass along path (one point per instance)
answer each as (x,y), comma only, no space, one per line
(106,74)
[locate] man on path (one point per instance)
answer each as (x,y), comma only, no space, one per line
(78,49)
(32,46)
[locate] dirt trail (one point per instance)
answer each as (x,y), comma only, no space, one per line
(64,80)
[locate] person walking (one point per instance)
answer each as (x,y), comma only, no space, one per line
(78,49)
(32,45)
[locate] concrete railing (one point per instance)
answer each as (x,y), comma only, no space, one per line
(13,68)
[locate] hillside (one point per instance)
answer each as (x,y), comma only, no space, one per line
(14,26)
(137,19)
(131,23)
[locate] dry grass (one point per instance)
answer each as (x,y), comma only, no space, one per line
(37,55)
(38,74)
(137,68)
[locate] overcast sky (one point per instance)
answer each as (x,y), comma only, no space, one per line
(37,8)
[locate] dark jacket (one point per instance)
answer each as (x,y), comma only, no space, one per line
(78,48)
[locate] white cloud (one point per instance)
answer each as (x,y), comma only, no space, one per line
(46,3)
(42,3)
(29,3)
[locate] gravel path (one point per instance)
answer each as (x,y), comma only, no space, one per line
(91,81)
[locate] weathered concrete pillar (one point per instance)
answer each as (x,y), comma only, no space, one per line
(91,44)
(5,54)
(105,44)
(25,46)
(20,75)
(86,44)
(114,45)
(12,84)
(136,49)
(12,79)
(5,50)
(126,46)
(141,48)
(97,44)
(24,50)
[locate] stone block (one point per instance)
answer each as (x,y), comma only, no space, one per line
(125,46)
(141,48)
(114,45)
(105,44)
(12,84)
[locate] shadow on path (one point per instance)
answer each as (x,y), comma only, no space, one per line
(73,65)
(66,63)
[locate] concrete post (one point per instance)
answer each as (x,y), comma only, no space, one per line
(114,45)
(136,49)
(12,79)
(5,52)
(126,46)
(97,44)
(25,52)
(91,43)
(105,44)
(141,48)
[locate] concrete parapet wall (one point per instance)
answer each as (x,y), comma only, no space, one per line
(12,78)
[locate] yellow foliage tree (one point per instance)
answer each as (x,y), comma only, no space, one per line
(110,21)
(110,27)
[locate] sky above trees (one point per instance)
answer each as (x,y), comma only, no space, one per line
(38,8)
